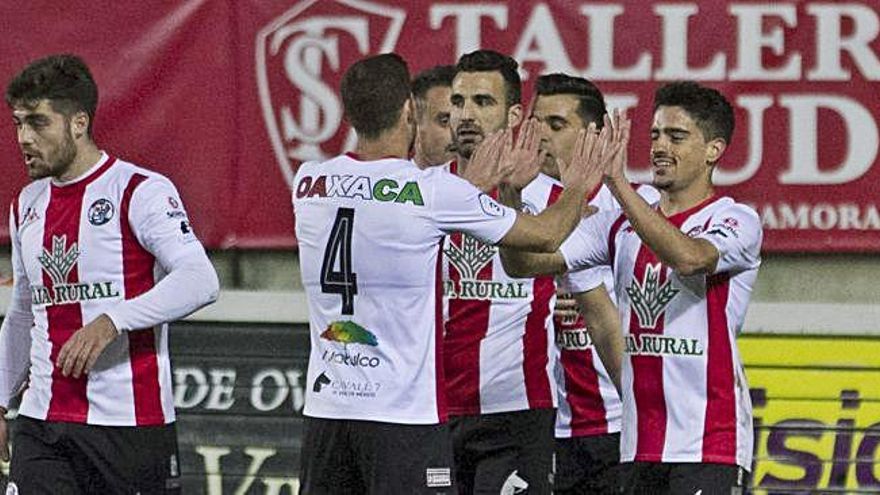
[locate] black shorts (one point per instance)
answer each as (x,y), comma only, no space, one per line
(72,458)
(588,465)
(364,457)
(504,452)
(684,478)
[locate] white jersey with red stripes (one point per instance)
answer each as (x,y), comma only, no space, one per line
(588,401)
(80,249)
(369,237)
(685,395)
(499,329)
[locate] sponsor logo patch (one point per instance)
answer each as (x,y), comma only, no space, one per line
(100,212)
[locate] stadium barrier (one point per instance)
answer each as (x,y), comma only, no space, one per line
(240,381)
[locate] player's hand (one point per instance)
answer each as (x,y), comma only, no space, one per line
(521,160)
(566,309)
(621,126)
(80,352)
(589,160)
(482,169)
(4,436)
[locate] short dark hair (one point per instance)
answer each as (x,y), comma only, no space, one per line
(374,91)
(64,80)
(591,101)
(439,75)
(492,61)
(710,110)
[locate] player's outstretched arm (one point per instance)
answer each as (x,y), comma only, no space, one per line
(683,254)
(603,323)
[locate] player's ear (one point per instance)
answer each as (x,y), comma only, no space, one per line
(79,124)
(714,149)
(408,113)
(514,115)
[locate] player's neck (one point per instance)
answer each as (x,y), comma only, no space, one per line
(87,155)
(462,164)
(672,202)
(391,144)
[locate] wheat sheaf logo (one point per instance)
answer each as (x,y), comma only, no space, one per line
(650,298)
(60,261)
(471,257)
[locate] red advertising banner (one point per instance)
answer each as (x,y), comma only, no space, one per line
(228,97)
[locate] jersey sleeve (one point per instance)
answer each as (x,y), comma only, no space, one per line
(583,280)
(161,225)
(736,232)
(460,207)
(15,333)
(587,246)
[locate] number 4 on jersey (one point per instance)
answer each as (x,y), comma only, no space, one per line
(338,253)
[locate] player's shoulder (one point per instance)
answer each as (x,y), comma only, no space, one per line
(728,205)
(129,172)
(33,190)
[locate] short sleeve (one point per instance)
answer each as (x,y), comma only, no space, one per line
(587,246)
(736,232)
(584,280)
(160,222)
(460,207)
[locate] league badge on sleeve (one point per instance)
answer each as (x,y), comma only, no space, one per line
(490,206)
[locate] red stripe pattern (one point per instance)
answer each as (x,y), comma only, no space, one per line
(535,351)
(648,390)
(467,326)
(588,415)
(719,433)
(69,401)
(138,266)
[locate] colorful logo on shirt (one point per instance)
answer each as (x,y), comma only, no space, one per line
(100,212)
(469,258)
(349,332)
(359,187)
(650,299)
(58,263)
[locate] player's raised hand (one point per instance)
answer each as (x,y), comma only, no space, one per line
(79,353)
(521,160)
(590,159)
(483,168)
(621,126)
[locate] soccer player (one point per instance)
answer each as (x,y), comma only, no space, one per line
(498,343)
(431,90)
(103,257)
(370,226)
(588,417)
(683,269)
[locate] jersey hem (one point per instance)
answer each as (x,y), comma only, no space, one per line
(64,418)
(477,412)
(685,460)
(377,418)
(587,432)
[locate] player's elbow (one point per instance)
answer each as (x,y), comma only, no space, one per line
(690,265)
(513,266)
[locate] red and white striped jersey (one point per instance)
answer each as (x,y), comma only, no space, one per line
(99,244)
(369,236)
(685,395)
(498,345)
(588,401)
